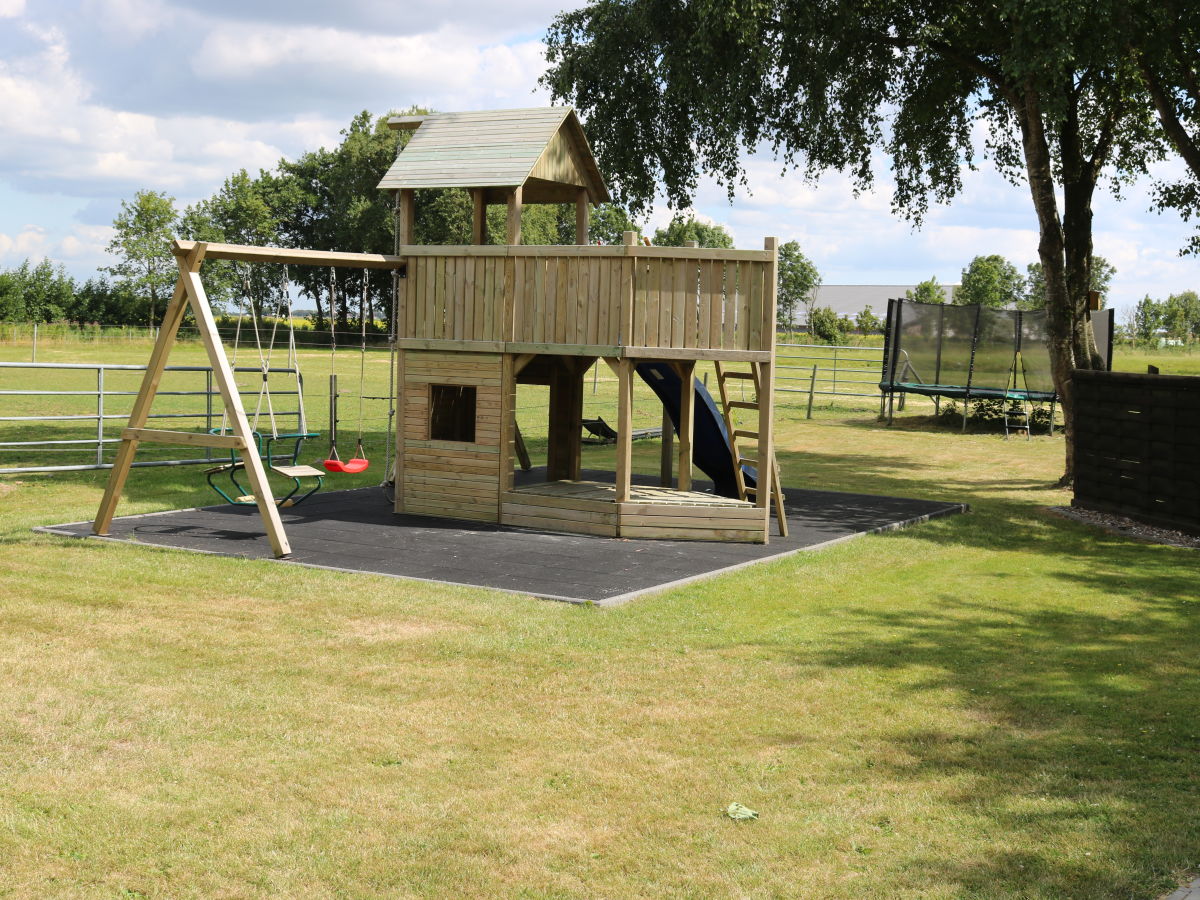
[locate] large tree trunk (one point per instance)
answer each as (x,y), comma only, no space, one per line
(1079,185)
(1060,323)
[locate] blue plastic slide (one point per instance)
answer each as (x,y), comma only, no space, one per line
(710,441)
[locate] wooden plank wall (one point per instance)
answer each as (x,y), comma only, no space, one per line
(450,478)
(529,510)
(567,300)
(1137,443)
(698,303)
(702,299)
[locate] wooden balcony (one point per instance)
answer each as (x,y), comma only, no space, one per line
(624,300)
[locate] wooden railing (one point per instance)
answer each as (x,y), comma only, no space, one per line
(594,297)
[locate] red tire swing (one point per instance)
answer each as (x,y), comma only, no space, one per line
(359,462)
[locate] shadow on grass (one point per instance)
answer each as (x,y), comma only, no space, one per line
(1077,722)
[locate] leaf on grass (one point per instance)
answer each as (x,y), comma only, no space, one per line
(740,813)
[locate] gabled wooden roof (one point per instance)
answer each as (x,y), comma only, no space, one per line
(542,150)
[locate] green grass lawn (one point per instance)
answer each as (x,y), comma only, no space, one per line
(1000,704)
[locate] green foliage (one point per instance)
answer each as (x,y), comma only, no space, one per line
(680,230)
(608,223)
(825,326)
(1181,316)
(798,283)
(35,293)
(1146,319)
(142,233)
(990,281)
(867,322)
(928,291)
(1034,295)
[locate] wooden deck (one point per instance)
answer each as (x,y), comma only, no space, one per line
(591,507)
(638,494)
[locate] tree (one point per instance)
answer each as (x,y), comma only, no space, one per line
(798,283)
(680,230)
(1147,319)
(670,90)
(826,326)
(35,293)
(1161,38)
(928,291)
(1181,316)
(608,222)
(142,234)
(867,322)
(990,281)
(1034,296)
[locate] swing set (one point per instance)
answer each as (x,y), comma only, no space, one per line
(252,451)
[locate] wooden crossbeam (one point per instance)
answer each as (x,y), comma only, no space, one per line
(244,253)
(195,438)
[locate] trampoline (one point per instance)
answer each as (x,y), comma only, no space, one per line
(968,353)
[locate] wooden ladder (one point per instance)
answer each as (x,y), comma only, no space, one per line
(739,459)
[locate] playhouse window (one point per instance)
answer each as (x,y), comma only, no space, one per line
(451,413)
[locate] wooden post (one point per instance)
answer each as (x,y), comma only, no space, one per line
(407,217)
(508,428)
(581,216)
(514,216)
(401,429)
(566,415)
(628,238)
(240,425)
(766,389)
(687,407)
(145,398)
(624,428)
(478,217)
(666,465)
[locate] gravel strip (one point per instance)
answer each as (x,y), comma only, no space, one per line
(1127,527)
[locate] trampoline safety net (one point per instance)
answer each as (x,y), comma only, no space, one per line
(964,351)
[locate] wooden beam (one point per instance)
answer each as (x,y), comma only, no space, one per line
(401,431)
(140,412)
(508,428)
(581,217)
(478,217)
(244,253)
(405,123)
(766,390)
(192,438)
(695,354)
(687,406)
(406,217)
(224,378)
(514,216)
(666,461)
(522,361)
(624,429)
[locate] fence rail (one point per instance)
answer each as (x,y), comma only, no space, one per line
(824,370)
(103,413)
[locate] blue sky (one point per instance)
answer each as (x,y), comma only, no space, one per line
(100,98)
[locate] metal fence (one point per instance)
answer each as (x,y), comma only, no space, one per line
(826,370)
(101,411)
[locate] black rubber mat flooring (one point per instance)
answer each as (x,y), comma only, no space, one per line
(356,531)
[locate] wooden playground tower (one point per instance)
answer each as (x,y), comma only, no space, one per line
(475,321)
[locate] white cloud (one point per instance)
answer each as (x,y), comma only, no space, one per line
(85,242)
(428,67)
(28,243)
(10,9)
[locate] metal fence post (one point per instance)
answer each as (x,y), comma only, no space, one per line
(35,330)
(99,415)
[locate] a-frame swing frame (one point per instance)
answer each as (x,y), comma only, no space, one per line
(189,293)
